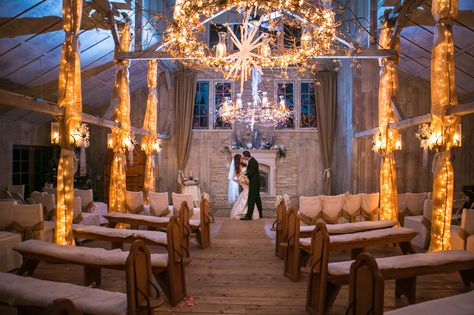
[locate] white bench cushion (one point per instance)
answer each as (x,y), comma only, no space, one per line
(407,261)
(461,304)
(154,236)
(147,218)
(86,255)
(361,236)
(16,290)
(347,228)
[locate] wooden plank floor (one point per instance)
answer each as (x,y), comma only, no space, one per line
(239,274)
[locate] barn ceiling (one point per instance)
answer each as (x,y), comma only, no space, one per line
(31,39)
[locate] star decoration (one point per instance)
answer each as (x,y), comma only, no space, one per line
(246,55)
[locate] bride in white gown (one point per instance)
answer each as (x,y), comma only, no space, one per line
(237,176)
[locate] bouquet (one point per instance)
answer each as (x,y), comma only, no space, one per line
(243,179)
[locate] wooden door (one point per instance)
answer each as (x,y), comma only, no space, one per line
(135,172)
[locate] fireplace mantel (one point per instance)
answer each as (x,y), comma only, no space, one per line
(268,158)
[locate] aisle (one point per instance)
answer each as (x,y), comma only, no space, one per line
(239,274)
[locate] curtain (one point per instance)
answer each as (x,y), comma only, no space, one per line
(443,96)
(69,97)
(184,94)
(149,124)
(325,83)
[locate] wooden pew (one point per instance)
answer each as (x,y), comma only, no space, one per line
(155,223)
(168,269)
(298,249)
(366,294)
(281,229)
(202,227)
(326,279)
(29,296)
(118,237)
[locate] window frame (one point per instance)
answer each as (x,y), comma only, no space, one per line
(315,108)
(212,99)
(208,105)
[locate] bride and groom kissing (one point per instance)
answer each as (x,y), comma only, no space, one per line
(244,171)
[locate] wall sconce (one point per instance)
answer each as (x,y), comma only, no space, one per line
(457,138)
(110,141)
(54,132)
(398,143)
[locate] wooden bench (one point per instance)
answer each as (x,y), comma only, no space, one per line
(34,296)
(298,249)
(168,269)
(202,226)
(326,279)
(118,237)
(154,223)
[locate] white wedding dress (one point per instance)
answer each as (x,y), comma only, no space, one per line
(239,209)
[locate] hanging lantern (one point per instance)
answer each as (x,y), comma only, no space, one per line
(110,141)
(54,132)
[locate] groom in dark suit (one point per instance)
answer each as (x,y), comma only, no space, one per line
(254,187)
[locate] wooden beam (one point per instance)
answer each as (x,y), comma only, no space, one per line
(30,103)
(397,109)
(368,53)
(138,24)
(459,110)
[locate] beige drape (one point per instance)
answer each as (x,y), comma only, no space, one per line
(443,96)
(325,83)
(122,133)
(184,94)
(69,97)
(149,124)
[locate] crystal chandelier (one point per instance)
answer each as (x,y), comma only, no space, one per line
(260,111)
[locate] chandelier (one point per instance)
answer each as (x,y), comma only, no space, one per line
(260,111)
(263,22)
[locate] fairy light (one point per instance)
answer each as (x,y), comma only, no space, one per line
(387,140)
(121,138)
(444,128)
(150,143)
(70,98)
(186,42)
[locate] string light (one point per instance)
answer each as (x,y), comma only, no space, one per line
(70,98)
(121,138)
(387,140)
(150,143)
(445,128)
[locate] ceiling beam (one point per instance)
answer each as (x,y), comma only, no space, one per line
(459,110)
(30,103)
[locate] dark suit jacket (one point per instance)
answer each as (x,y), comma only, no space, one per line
(253,173)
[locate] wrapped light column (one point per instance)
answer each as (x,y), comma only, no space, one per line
(443,96)
(387,139)
(69,97)
(121,136)
(150,142)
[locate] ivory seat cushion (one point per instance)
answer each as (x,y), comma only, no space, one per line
(23,291)
(148,218)
(154,236)
(347,228)
(310,206)
(460,304)
(158,203)
(410,261)
(85,255)
(9,259)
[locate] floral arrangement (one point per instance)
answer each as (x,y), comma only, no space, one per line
(243,179)
(424,133)
(281,152)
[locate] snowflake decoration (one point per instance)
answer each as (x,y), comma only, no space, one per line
(246,56)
